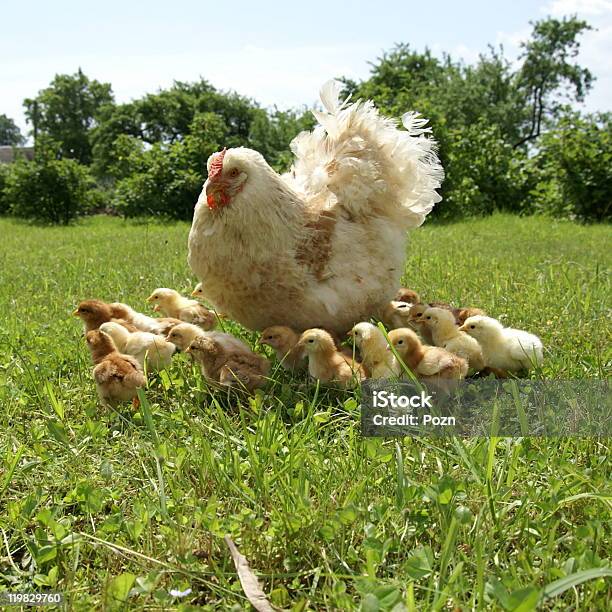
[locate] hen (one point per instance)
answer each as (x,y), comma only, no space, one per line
(323,245)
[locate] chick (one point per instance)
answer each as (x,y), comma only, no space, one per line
(183,334)
(504,349)
(376,358)
(284,341)
(95,312)
(397,314)
(154,325)
(407,295)
(118,377)
(145,346)
(415,314)
(326,363)
(229,367)
(173,304)
(428,363)
(198,291)
(465,313)
(446,334)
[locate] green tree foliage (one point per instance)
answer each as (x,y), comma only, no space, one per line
(67,111)
(10,134)
(48,190)
(488,117)
(547,66)
(574,168)
(4,172)
(166,179)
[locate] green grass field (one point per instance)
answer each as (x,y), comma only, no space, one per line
(113,507)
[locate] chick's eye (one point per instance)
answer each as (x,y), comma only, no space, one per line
(419,314)
(428,318)
(401,342)
(311,341)
(472,327)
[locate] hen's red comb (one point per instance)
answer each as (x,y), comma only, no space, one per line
(216,165)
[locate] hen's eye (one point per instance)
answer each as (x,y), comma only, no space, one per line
(234,172)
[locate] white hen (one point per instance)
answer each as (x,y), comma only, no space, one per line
(325,244)
(143,346)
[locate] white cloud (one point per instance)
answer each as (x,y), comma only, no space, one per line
(582,7)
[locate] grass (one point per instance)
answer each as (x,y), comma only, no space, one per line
(117,508)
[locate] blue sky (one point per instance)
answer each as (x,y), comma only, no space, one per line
(276,52)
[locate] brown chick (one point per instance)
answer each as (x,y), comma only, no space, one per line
(407,295)
(326,363)
(466,313)
(428,363)
(284,341)
(227,366)
(95,312)
(118,377)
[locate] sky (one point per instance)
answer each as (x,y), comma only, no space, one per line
(278,53)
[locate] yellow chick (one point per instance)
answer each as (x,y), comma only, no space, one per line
(118,377)
(228,367)
(284,341)
(376,359)
(446,334)
(173,304)
(504,349)
(198,292)
(154,325)
(397,314)
(428,363)
(326,363)
(144,346)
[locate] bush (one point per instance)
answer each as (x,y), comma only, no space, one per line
(48,190)
(484,173)
(166,180)
(4,172)
(573,169)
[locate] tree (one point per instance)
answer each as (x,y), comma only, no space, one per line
(10,134)
(547,66)
(67,111)
(167,116)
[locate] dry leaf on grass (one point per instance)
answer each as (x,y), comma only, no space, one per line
(248,580)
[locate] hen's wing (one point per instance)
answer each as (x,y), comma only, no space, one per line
(359,163)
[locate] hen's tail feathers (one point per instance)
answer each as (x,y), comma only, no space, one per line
(366,163)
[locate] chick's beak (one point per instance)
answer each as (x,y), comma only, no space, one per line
(150,298)
(463,328)
(156,308)
(75,312)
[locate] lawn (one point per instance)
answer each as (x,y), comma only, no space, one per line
(109,507)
